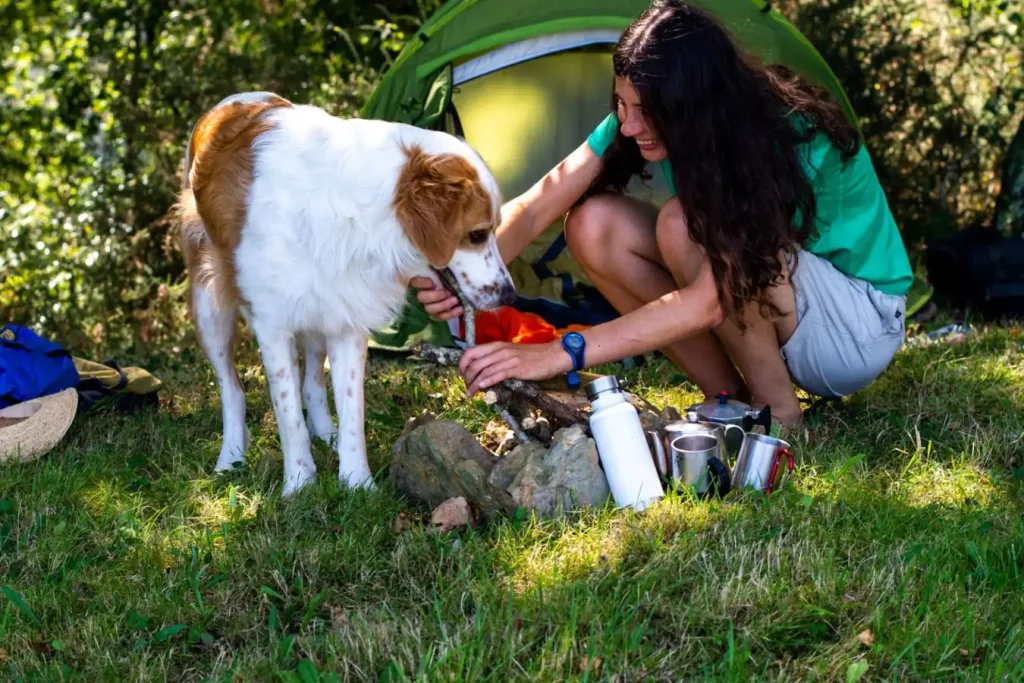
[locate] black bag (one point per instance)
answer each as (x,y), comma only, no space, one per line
(980,270)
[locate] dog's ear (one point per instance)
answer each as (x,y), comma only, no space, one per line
(437,198)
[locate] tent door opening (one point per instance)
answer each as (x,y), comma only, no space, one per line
(524,107)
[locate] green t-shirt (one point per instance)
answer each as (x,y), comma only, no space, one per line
(856,230)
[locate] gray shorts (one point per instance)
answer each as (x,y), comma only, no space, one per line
(847,331)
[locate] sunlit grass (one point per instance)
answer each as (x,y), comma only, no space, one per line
(951,485)
(136,562)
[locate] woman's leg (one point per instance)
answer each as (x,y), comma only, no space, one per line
(755,350)
(613,239)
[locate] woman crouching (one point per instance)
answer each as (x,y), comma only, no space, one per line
(777,260)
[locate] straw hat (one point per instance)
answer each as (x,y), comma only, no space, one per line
(30,428)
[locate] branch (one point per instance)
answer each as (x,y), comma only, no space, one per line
(510,390)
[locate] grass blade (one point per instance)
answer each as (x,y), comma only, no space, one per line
(20,603)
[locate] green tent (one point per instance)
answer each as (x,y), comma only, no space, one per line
(525,82)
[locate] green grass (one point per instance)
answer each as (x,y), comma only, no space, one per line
(122,557)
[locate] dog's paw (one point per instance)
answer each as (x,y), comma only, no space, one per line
(229,459)
(298,480)
(359,479)
(318,420)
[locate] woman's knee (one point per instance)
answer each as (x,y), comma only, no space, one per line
(587,226)
(605,227)
(677,249)
(670,229)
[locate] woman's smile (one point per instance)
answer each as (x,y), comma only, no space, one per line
(651,148)
(634,122)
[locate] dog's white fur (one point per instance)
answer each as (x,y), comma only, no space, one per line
(321,260)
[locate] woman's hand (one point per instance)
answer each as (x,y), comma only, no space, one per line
(439,303)
(674,316)
(488,364)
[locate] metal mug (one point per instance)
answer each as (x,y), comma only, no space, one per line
(660,441)
(697,463)
(757,464)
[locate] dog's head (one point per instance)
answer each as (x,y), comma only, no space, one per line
(448,205)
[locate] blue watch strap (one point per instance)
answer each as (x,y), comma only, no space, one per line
(578,355)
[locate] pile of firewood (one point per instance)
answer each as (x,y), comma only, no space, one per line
(531,411)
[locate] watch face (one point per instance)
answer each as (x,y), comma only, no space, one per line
(574,341)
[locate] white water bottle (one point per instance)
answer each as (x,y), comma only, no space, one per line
(622,446)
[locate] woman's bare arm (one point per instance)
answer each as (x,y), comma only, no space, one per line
(526,216)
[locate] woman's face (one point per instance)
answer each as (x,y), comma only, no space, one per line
(634,123)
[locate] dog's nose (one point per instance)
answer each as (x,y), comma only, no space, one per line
(507,297)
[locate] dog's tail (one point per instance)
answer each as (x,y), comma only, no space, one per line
(205,265)
(192,234)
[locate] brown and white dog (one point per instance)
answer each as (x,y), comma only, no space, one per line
(313,225)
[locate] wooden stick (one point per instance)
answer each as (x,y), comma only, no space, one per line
(468,313)
(511,422)
(469,320)
(509,390)
(440,355)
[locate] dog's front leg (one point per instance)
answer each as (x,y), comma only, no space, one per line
(281,362)
(314,391)
(348,373)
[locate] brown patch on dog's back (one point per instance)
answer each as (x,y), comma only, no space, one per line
(211,210)
(439,199)
(221,173)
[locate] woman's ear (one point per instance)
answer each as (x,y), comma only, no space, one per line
(436,197)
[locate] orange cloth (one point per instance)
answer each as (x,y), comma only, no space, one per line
(508,324)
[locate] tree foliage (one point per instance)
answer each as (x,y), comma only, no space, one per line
(939,89)
(98,98)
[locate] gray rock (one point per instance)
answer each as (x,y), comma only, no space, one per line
(574,456)
(650,421)
(532,488)
(669,415)
(441,460)
(565,478)
(639,402)
(510,465)
(411,424)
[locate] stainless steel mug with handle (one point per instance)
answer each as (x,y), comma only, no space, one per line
(757,465)
(660,441)
(697,463)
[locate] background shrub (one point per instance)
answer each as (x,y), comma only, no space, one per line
(938,88)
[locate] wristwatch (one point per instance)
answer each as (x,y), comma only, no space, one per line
(575,345)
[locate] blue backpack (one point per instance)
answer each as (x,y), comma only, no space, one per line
(31,366)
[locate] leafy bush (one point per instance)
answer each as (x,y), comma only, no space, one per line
(939,90)
(98,97)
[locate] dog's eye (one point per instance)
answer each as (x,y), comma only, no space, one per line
(479,236)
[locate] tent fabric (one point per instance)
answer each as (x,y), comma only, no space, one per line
(532,48)
(462,29)
(525,83)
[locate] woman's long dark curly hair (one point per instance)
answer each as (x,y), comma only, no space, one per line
(727,122)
